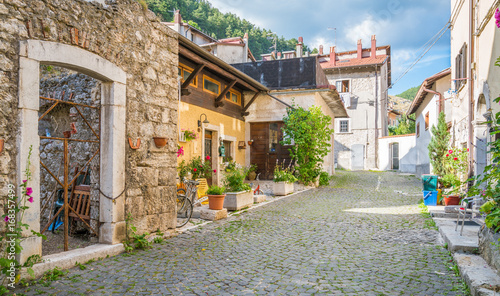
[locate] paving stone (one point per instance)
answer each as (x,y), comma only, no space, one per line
(344,239)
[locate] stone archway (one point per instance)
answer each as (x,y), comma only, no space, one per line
(32,53)
(481,132)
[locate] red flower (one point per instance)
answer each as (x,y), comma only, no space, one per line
(450,151)
(467,149)
(194,170)
(455,158)
(215,171)
(208,157)
(447,155)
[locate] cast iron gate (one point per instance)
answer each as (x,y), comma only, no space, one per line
(67,183)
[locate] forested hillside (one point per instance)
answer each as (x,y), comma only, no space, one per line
(409,94)
(220,25)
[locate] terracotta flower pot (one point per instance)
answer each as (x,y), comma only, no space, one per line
(216,202)
(160,141)
(451,200)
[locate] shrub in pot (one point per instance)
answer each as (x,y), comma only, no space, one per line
(283,181)
(239,193)
(216,195)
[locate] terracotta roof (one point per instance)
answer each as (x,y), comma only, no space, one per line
(427,84)
(379,59)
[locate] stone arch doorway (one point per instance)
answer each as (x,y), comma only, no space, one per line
(112,148)
(481,132)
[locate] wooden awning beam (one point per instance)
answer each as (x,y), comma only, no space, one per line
(224,92)
(250,103)
(196,71)
(198,60)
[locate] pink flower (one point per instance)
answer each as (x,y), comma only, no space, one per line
(468,148)
(180,151)
(497,18)
(450,151)
(215,171)
(24,181)
(208,157)
(455,158)
(194,170)
(6,219)
(29,191)
(31,200)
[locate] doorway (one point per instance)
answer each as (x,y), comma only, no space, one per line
(394,156)
(357,157)
(208,151)
(266,149)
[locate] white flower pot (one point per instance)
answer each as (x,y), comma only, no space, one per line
(238,200)
(282,188)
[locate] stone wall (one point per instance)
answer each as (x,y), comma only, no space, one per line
(134,40)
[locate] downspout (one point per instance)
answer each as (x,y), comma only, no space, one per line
(440,99)
(470,144)
(376,116)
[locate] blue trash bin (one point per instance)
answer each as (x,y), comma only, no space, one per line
(430,198)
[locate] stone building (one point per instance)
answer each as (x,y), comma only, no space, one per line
(362,77)
(134,58)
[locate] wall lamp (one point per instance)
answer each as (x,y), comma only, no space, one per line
(204,121)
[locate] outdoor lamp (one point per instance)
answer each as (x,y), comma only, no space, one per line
(204,121)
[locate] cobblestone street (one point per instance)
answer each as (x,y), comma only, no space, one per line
(362,235)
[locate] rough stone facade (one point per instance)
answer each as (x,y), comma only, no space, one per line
(134,40)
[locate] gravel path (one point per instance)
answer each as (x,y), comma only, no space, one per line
(362,235)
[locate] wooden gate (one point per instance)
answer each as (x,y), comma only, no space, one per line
(266,148)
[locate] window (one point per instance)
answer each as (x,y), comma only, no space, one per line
(461,67)
(427,121)
(211,85)
(342,86)
(344,126)
(184,72)
(227,146)
(233,97)
(418,130)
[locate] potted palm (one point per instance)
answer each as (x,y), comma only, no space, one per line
(283,181)
(216,195)
(239,194)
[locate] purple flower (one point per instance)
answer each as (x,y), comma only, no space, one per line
(497,17)
(6,219)
(24,181)
(29,191)
(31,200)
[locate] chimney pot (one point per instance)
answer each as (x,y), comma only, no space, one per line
(177,17)
(299,48)
(373,53)
(279,55)
(321,49)
(333,56)
(360,49)
(301,40)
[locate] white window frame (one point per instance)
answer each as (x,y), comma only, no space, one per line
(350,85)
(348,120)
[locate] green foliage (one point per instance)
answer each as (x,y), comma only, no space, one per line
(183,169)
(283,174)
(32,260)
(221,25)
(235,178)
(439,145)
(134,240)
(409,94)
(158,240)
(200,168)
(324,179)
(51,275)
(311,133)
(80,265)
(450,180)
(406,126)
(216,190)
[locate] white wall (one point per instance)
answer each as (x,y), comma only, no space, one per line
(429,104)
(407,153)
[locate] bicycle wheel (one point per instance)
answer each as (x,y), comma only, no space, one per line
(184,210)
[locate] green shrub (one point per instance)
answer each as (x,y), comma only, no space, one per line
(235,179)
(216,190)
(283,175)
(324,179)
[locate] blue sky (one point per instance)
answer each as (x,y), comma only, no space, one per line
(405,25)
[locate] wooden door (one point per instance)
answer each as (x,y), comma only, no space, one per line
(208,150)
(266,148)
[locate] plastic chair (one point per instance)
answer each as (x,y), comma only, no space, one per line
(202,190)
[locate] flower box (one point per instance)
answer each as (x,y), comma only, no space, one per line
(282,188)
(238,200)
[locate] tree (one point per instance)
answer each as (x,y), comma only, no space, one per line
(311,133)
(406,126)
(438,146)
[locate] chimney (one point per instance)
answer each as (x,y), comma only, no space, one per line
(177,17)
(321,49)
(279,55)
(245,51)
(299,47)
(374,47)
(333,56)
(360,50)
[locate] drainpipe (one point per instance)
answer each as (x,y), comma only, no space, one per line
(470,144)
(440,102)
(376,116)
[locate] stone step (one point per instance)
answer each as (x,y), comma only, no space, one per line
(479,276)
(467,242)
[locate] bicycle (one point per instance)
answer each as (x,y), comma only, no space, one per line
(185,202)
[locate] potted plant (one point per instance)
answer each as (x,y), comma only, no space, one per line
(189,135)
(451,184)
(239,194)
(200,168)
(252,174)
(283,180)
(456,165)
(216,195)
